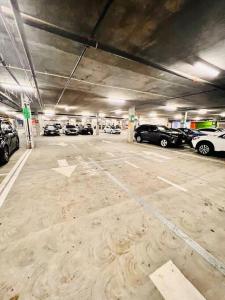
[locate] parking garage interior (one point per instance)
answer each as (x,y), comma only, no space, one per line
(112,150)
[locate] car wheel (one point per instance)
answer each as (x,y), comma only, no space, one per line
(205,148)
(164,143)
(139,139)
(5,157)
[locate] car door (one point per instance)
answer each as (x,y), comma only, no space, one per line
(219,144)
(143,131)
(8,132)
(154,134)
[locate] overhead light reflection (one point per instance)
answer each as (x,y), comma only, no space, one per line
(205,70)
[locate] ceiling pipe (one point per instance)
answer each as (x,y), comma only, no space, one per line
(89,42)
(20,28)
(104,12)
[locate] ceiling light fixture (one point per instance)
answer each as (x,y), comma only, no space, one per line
(202,111)
(205,70)
(101,115)
(178,117)
(222,114)
(171,107)
(85,113)
(49,112)
(114,101)
(153,114)
(118,111)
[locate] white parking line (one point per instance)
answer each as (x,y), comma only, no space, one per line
(156,154)
(63,163)
(9,180)
(108,142)
(150,158)
(173,184)
(110,154)
(132,165)
(149,208)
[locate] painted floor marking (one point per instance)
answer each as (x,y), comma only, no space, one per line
(108,142)
(110,154)
(173,285)
(150,158)
(63,163)
(9,180)
(156,154)
(149,208)
(132,165)
(173,184)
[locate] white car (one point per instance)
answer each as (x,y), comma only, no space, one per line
(207,144)
(211,131)
(112,130)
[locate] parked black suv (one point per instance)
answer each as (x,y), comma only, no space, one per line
(51,130)
(9,141)
(159,134)
(86,130)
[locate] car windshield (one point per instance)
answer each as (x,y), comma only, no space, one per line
(50,127)
(70,126)
(163,128)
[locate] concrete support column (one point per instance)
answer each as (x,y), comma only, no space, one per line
(131,121)
(27,122)
(184,120)
(97,124)
(41,124)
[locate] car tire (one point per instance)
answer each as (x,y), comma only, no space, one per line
(205,148)
(17,144)
(138,139)
(5,157)
(164,143)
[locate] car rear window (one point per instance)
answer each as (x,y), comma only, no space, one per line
(70,126)
(51,127)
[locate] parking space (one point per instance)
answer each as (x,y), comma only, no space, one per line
(112,150)
(96,216)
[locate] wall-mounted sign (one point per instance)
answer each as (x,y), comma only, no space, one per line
(26,112)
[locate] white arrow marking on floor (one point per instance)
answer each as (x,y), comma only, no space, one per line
(64,168)
(59,144)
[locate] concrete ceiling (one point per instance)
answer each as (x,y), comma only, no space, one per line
(167,37)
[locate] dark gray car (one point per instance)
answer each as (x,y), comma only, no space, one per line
(9,141)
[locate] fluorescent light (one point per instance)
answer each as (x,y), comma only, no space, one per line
(117,101)
(171,107)
(125,116)
(178,116)
(49,112)
(197,119)
(153,114)
(118,111)
(101,115)
(205,70)
(3,109)
(202,111)
(85,113)
(222,114)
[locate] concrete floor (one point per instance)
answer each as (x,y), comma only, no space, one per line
(100,232)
